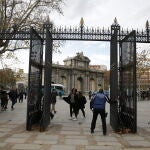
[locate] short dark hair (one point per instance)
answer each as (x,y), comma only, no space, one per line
(101,90)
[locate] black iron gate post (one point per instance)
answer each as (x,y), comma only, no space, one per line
(34,80)
(47,81)
(115,28)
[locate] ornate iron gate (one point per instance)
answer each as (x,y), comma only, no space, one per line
(34,112)
(38,112)
(128,101)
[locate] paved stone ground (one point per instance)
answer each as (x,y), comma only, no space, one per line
(65,134)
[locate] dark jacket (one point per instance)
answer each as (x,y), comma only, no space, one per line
(75,99)
(81,101)
(3,95)
(98,101)
(54,95)
(13,95)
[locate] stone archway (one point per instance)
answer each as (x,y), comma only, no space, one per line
(64,82)
(92,85)
(80,84)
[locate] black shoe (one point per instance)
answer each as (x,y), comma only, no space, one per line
(12,109)
(52,116)
(104,133)
(106,114)
(92,131)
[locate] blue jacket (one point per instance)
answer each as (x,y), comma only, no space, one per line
(98,101)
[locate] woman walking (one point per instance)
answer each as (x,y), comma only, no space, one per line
(54,95)
(13,97)
(73,98)
(81,103)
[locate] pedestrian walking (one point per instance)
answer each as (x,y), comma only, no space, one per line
(97,105)
(25,95)
(73,98)
(53,98)
(81,103)
(20,96)
(90,94)
(4,98)
(13,97)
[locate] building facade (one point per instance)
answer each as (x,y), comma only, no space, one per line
(77,73)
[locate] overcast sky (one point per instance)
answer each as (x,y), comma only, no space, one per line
(97,13)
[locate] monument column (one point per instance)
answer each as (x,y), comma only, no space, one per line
(69,81)
(86,89)
(57,76)
(75,80)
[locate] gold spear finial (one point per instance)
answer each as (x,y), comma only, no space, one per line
(81,21)
(48,19)
(115,21)
(147,24)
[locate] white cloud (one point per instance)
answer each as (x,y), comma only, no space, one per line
(102,12)
(98,52)
(23,56)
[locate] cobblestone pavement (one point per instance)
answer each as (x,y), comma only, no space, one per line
(65,134)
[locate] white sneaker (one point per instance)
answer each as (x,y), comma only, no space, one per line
(74,119)
(70,118)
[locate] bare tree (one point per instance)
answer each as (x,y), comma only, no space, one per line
(8,77)
(143,65)
(21,14)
